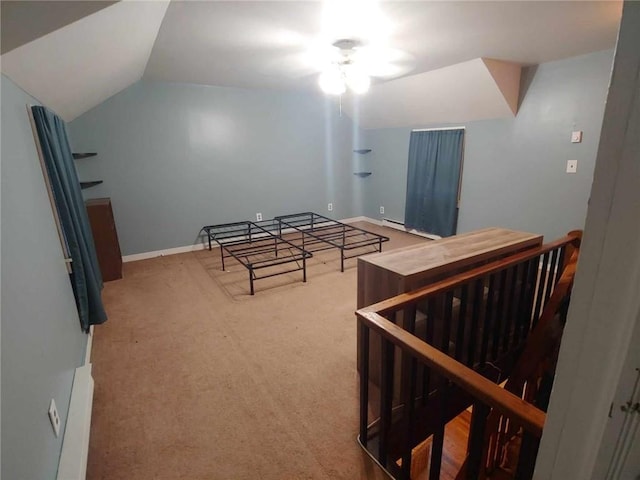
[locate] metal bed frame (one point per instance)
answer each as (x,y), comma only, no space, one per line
(318,233)
(256,247)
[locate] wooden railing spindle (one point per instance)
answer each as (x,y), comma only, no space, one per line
(488,321)
(512,279)
(462,320)
(409,375)
(551,274)
(476,439)
(364,383)
(527,457)
(437,442)
(386,399)
(560,266)
(531,294)
(446,321)
(499,315)
(522,302)
(409,317)
(429,332)
(409,411)
(478,293)
(541,284)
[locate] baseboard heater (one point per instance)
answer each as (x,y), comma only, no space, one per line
(75,445)
(394,222)
(388,222)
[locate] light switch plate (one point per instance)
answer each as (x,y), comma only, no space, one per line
(54,418)
(572,166)
(576,137)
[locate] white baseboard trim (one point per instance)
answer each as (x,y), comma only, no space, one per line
(161,253)
(353,219)
(75,445)
(87,354)
(361,219)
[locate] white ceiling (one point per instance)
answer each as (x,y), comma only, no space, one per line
(262,44)
(265,44)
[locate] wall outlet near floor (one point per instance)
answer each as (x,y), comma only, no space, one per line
(572,166)
(381,209)
(330,207)
(258,217)
(54,418)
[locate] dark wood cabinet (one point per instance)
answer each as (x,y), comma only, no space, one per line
(105,237)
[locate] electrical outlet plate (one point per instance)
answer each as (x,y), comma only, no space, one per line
(54,418)
(572,166)
(258,217)
(381,209)
(330,207)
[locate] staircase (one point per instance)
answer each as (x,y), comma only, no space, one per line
(445,350)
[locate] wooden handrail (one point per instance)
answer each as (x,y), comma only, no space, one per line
(499,307)
(531,418)
(400,301)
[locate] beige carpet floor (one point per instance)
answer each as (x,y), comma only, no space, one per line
(197,380)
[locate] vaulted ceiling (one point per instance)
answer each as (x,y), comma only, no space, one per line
(462,57)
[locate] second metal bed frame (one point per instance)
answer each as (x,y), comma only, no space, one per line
(318,233)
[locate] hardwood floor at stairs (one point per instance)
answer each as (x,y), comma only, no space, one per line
(454,448)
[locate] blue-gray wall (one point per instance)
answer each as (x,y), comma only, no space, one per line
(175,157)
(514,169)
(42,343)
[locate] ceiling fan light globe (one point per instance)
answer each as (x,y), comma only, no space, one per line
(332,82)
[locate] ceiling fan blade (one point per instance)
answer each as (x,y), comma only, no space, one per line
(321,55)
(384,62)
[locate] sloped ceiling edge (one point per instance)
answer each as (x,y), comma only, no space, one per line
(77,67)
(24,21)
(459,93)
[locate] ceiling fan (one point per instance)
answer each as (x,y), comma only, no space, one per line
(350,63)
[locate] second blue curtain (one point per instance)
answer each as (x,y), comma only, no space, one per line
(435,159)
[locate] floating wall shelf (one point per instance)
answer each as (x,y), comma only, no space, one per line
(78,156)
(93,183)
(362,151)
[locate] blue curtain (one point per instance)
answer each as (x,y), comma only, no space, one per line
(435,158)
(86,278)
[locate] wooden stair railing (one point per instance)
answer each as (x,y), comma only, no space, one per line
(454,341)
(531,380)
